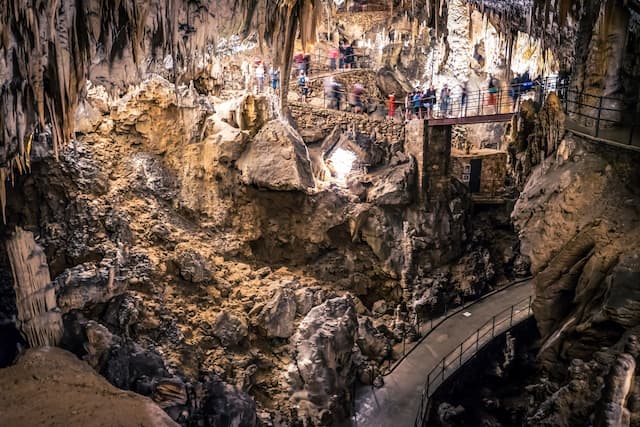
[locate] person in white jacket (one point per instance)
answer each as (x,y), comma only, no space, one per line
(259,78)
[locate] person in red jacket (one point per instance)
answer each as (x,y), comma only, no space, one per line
(392,104)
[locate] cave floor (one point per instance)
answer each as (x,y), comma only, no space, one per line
(397,402)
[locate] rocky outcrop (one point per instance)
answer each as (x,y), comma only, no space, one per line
(321,374)
(579,226)
(574,238)
(277,159)
(70,393)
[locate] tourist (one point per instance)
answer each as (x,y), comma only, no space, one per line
(307,63)
(425,103)
(298,60)
(514,90)
(303,86)
(333,56)
(348,56)
(463,100)
(341,54)
(416,103)
(493,90)
(274,73)
(246,74)
(259,78)
(392,104)
(431,96)
(327,83)
(445,95)
(407,106)
(337,94)
(357,92)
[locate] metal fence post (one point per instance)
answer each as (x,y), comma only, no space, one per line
(460,359)
(530,301)
(477,338)
(443,368)
(598,120)
(404,339)
(511,317)
(493,326)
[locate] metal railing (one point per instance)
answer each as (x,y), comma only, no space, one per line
(603,117)
(424,326)
(320,62)
(468,348)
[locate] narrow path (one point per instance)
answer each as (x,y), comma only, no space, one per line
(396,403)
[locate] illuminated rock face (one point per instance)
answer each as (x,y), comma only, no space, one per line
(277,159)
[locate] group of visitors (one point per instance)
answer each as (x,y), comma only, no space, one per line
(260,76)
(302,63)
(421,104)
(343,57)
(520,84)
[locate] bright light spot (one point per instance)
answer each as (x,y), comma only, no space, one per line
(342,161)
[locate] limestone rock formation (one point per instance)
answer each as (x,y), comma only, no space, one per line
(321,375)
(229,329)
(69,393)
(277,159)
(38,315)
(277,316)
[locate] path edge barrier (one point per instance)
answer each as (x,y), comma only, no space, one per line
(450,314)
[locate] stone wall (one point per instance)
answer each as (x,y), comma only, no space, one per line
(492,174)
(325,120)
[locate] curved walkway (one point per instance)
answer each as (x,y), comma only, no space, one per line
(398,401)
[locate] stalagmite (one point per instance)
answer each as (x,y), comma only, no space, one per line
(38,316)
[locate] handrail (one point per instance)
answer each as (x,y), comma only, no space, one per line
(468,348)
(447,315)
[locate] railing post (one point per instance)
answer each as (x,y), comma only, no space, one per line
(529,308)
(493,326)
(598,120)
(511,318)
(404,339)
(428,383)
(477,338)
(460,359)
(443,368)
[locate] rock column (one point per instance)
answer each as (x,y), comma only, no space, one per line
(38,316)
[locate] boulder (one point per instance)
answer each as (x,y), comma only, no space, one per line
(322,373)
(372,343)
(229,329)
(277,159)
(389,81)
(304,300)
(277,316)
(393,186)
(192,265)
(224,405)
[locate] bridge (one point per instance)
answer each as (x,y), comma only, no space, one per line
(402,401)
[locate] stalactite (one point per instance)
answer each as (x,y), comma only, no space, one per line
(46,48)
(277,23)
